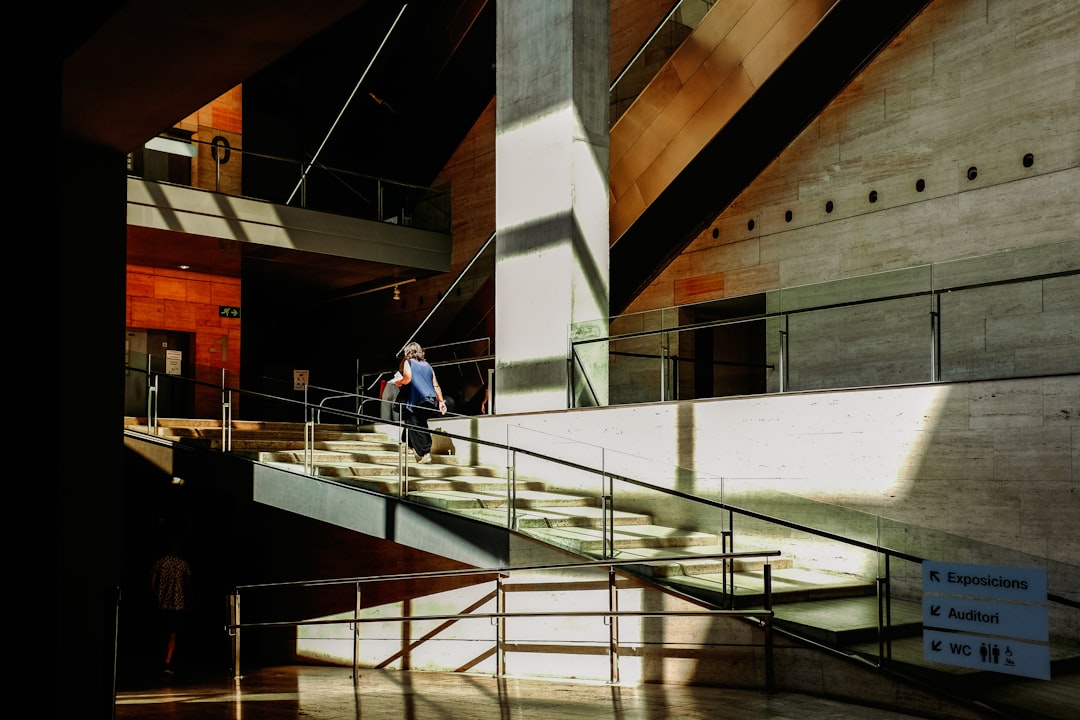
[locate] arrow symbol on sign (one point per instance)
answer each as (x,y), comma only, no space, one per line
(935,645)
(934,575)
(935,610)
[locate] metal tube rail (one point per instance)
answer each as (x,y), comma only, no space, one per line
(464,572)
(504,615)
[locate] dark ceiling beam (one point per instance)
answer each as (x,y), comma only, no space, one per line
(140,67)
(841,45)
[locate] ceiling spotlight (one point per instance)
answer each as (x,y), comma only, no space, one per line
(397,292)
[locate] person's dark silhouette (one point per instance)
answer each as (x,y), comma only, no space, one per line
(170,582)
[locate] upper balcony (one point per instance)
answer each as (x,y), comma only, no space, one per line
(209,206)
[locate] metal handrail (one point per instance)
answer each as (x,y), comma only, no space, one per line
(505,570)
(447,293)
(570,465)
(764,616)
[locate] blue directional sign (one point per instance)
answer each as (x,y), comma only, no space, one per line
(978,616)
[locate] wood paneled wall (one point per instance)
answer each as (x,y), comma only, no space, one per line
(188,302)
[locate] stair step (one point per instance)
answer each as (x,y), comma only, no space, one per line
(789,584)
(590,541)
(691,566)
(843,621)
(497,498)
(548,517)
(457,482)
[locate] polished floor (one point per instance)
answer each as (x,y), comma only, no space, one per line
(329,693)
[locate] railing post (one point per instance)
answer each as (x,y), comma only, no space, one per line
(500,627)
(491,392)
(356,638)
(727,545)
(309,440)
(226,414)
(727,568)
(884,601)
(613,624)
(935,338)
(783,358)
(403,459)
(607,511)
(511,491)
(151,403)
(770,666)
(234,631)
(228,425)
(665,349)
(607,525)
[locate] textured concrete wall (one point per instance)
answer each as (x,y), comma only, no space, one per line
(992,462)
(970,84)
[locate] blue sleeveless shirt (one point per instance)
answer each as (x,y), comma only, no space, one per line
(422,385)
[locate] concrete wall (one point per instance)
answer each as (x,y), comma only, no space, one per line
(974,84)
(991,462)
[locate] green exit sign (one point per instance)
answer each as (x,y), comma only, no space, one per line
(228,311)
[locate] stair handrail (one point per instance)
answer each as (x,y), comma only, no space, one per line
(764,617)
(504,570)
(447,292)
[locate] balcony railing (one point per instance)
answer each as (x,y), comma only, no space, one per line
(1001,316)
(217,166)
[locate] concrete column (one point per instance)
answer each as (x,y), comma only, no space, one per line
(85,519)
(551,199)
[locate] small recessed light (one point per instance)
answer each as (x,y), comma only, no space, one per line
(185,267)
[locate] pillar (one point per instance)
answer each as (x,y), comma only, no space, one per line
(551,200)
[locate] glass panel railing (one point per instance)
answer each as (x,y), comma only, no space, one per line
(999,316)
(652,510)
(216,166)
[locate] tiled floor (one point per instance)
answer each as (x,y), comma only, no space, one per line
(329,693)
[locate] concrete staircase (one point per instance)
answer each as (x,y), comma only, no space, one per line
(365,458)
(835,610)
